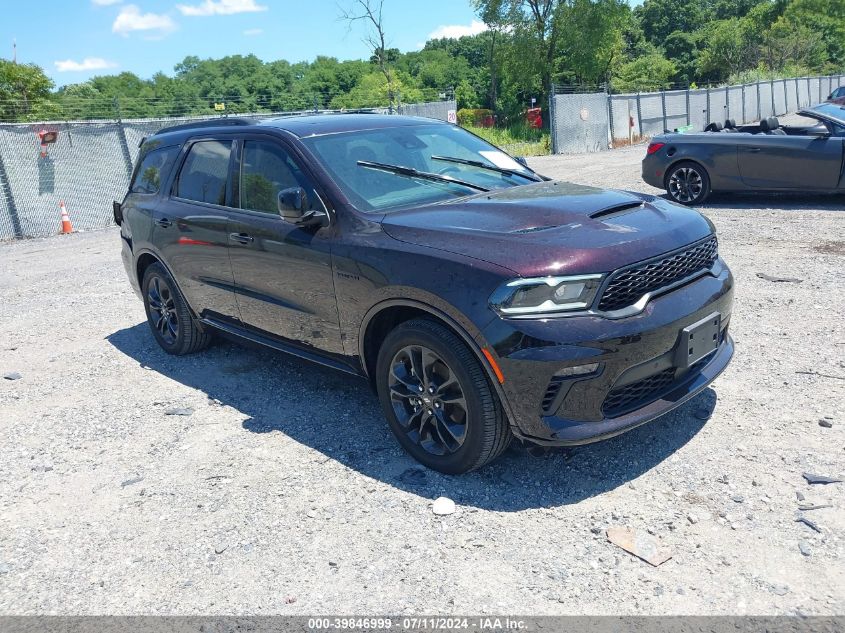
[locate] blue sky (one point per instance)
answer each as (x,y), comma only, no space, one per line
(77,39)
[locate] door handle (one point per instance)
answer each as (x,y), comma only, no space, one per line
(164,223)
(241,238)
(754,150)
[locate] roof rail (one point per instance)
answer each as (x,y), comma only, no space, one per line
(220,122)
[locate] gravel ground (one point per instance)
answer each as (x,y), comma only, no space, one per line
(284,492)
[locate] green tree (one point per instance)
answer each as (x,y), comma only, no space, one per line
(684,49)
(659,18)
(25,92)
(825,19)
(466,96)
(592,39)
(788,45)
(730,47)
(649,72)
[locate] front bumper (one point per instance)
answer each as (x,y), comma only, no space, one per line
(635,357)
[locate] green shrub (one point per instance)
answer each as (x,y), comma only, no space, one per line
(473,116)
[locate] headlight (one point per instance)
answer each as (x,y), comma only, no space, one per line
(545,295)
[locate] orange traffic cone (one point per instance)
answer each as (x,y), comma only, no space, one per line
(67,227)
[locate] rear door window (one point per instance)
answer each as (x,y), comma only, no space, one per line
(205,173)
(153,166)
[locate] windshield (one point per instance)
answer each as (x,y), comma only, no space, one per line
(412,147)
(831,110)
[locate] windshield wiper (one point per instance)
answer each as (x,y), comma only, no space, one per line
(480,165)
(410,172)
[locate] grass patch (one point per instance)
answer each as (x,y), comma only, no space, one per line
(517,140)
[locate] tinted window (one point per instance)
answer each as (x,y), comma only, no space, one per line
(267,169)
(154,164)
(205,172)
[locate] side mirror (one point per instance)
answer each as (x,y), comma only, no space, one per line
(117,211)
(293,203)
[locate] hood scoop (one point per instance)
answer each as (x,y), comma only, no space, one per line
(616,209)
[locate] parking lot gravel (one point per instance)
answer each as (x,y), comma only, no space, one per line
(239,481)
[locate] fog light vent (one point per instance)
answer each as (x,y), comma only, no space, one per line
(551,395)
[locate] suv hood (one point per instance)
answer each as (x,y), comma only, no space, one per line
(552,228)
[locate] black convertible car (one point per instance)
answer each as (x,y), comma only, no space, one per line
(766,156)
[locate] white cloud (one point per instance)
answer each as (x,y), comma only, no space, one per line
(106,3)
(131,19)
(253,32)
(89,63)
(457,30)
(221,7)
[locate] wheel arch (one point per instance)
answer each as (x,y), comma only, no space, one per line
(144,261)
(387,315)
(687,159)
(147,258)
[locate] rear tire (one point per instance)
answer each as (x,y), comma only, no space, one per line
(170,320)
(687,183)
(450,418)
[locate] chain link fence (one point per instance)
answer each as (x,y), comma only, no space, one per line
(596,121)
(88,166)
(579,123)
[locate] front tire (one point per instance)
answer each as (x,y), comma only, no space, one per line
(170,320)
(438,400)
(687,183)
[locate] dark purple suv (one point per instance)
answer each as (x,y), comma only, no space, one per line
(481,300)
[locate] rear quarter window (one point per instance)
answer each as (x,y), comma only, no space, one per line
(153,166)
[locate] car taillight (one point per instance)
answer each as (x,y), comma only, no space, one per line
(653,148)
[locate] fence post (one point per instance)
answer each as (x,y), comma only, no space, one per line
(552,119)
(727,102)
(639,113)
(663,104)
(743,104)
(772,89)
(6,190)
(124,144)
(707,118)
(759,111)
(689,120)
(610,115)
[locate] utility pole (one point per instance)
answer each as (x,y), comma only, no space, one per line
(14,51)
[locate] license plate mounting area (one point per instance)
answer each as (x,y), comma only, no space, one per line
(698,340)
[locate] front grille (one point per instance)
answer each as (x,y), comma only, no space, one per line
(637,394)
(628,286)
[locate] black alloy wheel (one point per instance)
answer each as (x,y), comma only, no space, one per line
(688,183)
(428,400)
(438,400)
(171,322)
(163,315)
